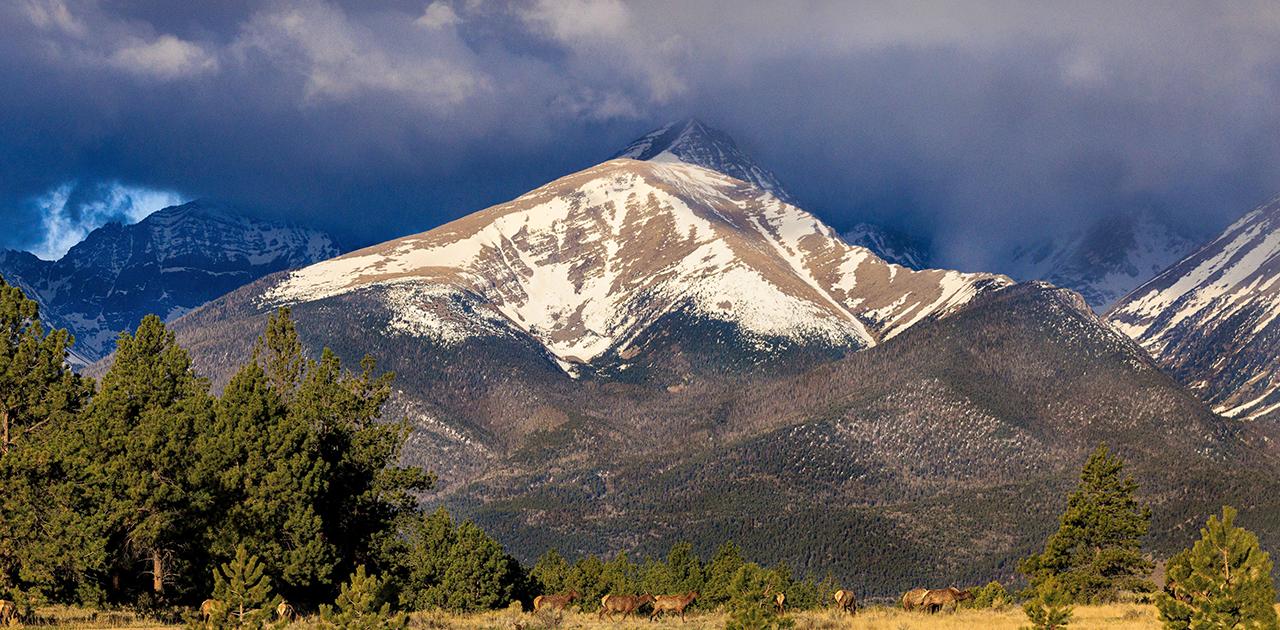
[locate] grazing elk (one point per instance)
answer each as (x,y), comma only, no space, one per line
(8,612)
(914,599)
(285,612)
(207,607)
(937,599)
(846,601)
(625,604)
(672,603)
(559,601)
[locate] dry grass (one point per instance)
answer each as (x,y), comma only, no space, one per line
(1117,617)
(1111,617)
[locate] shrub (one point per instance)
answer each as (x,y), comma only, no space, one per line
(362,605)
(1049,609)
(993,595)
(242,593)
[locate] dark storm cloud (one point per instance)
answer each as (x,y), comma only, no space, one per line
(984,124)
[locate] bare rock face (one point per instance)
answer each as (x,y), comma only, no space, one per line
(1211,319)
(167,264)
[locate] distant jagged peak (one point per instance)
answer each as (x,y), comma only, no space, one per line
(692,141)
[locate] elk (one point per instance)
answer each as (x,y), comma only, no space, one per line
(672,603)
(559,601)
(285,611)
(914,599)
(625,604)
(8,611)
(779,600)
(207,607)
(846,601)
(937,599)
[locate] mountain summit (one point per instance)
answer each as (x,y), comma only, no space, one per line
(168,263)
(645,349)
(693,142)
(589,264)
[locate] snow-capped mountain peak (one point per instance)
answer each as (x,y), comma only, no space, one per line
(1213,318)
(589,263)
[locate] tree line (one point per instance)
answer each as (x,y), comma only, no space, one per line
(145,488)
(131,490)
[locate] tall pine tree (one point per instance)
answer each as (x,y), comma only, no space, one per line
(36,385)
(1223,581)
(307,474)
(47,548)
(1097,550)
(136,443)
(268,477)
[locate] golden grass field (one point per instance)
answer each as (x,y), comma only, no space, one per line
(1115,616)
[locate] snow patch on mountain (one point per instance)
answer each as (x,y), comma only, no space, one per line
(1212,318)
(588,263)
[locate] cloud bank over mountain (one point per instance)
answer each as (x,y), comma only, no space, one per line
(981,127)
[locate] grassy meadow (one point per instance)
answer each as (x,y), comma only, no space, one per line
(1115,616)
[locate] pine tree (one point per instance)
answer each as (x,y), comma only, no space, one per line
(1097,550)
(552,573)
(751,605)
(428,542)
(1049,609)
(655,577)
(478,574)
(620,575)
(362,605)
(242,591)
(134,442)
(36,386)
(720,571)
(993,595)
(47,546)
(366,495)
(586,579)
(269,479)
(685,569)
(1222,581)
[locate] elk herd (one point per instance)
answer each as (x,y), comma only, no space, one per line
(921,599)
(917,599)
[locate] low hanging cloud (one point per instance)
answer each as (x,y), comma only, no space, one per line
(68,212)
